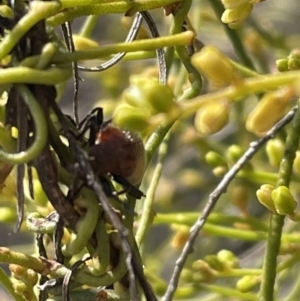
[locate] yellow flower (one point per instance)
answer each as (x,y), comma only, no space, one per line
(216,66)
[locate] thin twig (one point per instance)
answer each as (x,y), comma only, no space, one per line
(67,278)
(67,32)
(160,53)
(215,195)
(43,294)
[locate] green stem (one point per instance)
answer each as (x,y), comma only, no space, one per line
(288,263)
(6,141)
(239,273)
(147,215)
(88,26)
(257,176)
(270,258)
(232,35)
(140,55)
(195,77)
(47,54)
(7,284)
(234,233)
(25,75)
(223,231)
(40,130)
(189,218)
(249,85)
(101,256)
(244,71)
(277,221)
(229,292)
(140,4)
(39,10)
(30,262)
(86,225)
(55,270)
(184,38)
(84,8)
(157,137)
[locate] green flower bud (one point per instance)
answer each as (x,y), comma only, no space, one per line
(147,93)
(233,154)
(17,271)
(211,118)
(269,110)
(131,118)
(247,283)
(134,97)
(216,66)
(275,150)
(264,197)
(220,171)
(6,12)
(214,263)
(282,65)
(30,278)
(228,258)
(213,159)
(186,275)
(27,276)
(203,272)
(297,163)
(20,288)
(293,62)
(235,16)
(284,201)
(159,97)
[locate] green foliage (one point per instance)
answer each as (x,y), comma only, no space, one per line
(197,110)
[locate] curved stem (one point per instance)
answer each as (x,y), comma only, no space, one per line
(39,10)
(41,131)
(86,225)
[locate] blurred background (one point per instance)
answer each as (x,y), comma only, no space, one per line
(186,181)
